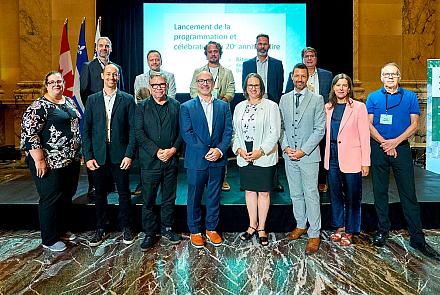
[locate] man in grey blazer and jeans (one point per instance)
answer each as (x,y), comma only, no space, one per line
(303,120)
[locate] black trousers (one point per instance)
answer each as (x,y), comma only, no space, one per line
(122,180)
(404,175)
(164,178)
(56,190)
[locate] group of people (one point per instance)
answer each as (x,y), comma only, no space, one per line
(316,118)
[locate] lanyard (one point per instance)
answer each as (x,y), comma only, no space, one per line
(386,102)
(218,73)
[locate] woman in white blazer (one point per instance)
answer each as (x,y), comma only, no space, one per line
(257,126)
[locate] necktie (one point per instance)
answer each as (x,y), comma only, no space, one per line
(297,99)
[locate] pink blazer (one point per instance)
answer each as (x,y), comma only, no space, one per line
(353,138)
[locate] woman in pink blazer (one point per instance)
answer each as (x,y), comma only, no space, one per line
(347,157)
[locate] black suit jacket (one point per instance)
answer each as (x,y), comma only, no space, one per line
(275,76)
(122,129)
(90,79)
(149,130)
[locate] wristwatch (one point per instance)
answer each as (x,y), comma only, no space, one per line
(262,152)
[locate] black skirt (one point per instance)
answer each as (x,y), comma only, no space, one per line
(255,178)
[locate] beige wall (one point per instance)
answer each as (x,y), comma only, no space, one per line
(394,30)
(30,35)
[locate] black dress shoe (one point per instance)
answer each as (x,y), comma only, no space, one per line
(147,243)
(426,250)
(379,239)
(278,188)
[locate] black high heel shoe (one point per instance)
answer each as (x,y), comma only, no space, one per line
(247,236)
(264,241)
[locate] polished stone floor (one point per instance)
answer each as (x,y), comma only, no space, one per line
(235,268)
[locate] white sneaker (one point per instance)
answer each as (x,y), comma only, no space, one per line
(57,247)
(68,236)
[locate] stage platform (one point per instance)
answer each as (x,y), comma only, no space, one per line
(19,199)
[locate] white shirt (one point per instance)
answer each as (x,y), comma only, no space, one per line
(207,108)
(262,68)
(313,83)
(109,101)
(301,98)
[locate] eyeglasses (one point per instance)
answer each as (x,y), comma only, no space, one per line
(390,75)
(204,81)
(57,82)
(158,86)
(253,86)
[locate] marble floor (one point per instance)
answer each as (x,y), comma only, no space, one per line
(235,268)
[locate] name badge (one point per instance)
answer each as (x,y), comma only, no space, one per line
(215,93)
(386,119)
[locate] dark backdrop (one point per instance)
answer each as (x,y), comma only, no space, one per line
(329,30)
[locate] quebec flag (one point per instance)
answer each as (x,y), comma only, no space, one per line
(81,58)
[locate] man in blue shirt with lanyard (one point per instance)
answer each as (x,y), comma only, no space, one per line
(394,117)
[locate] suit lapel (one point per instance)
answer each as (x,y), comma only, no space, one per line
(304,104)
(203,120)
(215,114)
(118,99)
(347,113)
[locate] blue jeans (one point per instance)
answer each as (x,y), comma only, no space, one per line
(345,190)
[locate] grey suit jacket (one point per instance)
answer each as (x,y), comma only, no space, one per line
(302,128)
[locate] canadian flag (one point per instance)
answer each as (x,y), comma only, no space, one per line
(65,67)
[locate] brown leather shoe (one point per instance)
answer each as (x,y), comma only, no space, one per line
(197,240)
(296,233)
(225,186)
(312,245)
(322,188)
(214,238)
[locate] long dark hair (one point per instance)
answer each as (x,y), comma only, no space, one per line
(332,98)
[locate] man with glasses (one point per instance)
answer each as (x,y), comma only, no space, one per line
(394,117)
(142,81)
(157,132)
(108,147)
(224,84)
(319,82)
(206,128)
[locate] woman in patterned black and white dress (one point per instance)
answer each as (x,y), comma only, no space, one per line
(50,135)
(257,126)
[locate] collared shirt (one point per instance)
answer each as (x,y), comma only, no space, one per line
(262,68)
(101,63)
(208,109)
(313,82)
(109,101)
(400,105)
(301,98)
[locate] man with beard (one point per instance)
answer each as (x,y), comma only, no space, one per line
(303,123)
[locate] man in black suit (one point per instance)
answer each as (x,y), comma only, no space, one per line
(90,78)
(108,147)
(157,132)
(269,68)
(91,82)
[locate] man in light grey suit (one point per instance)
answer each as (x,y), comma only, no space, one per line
(303,120)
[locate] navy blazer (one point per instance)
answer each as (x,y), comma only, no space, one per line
(90,79)
(148,132)
(275,76)
(325,83)
(122,129)
(194,131)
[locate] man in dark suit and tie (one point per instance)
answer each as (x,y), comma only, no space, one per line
(272,72)
(157,132)
(319,82)
(206,128)
(108,147)
(269,68)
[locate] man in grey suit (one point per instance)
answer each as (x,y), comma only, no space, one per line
(303,120)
